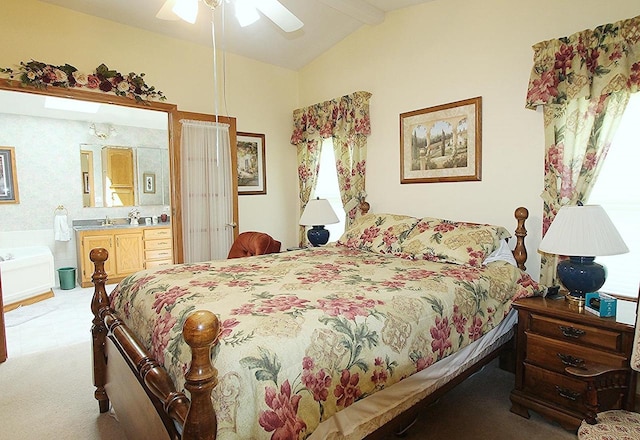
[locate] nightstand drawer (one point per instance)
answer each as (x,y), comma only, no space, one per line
(557,355)
(575,333)
(554,388)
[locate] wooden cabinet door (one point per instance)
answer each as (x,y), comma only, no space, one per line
(96,241)
(129,253)
(119,182)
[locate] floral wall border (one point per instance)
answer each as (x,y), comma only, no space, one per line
(41,75)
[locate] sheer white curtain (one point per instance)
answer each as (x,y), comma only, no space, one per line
(207,201)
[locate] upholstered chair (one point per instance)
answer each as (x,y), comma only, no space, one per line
(253,243)
(605,387)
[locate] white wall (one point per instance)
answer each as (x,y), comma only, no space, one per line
(444,51)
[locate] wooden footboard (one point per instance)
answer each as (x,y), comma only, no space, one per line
(195,419)
(180,417)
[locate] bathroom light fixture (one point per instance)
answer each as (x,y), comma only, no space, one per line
(104,134)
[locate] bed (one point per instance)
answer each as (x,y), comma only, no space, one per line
(344,341)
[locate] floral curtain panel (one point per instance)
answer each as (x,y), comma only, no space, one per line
(583,83)
(347,121)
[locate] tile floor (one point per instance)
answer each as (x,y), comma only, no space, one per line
(56,322)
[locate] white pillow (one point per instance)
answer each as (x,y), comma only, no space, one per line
(503,253)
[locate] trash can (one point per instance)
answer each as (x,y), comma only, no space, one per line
(67,277)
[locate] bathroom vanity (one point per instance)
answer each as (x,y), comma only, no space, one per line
(131,248)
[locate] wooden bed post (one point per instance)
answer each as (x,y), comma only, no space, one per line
(520,251)
(99,302)
(200,331)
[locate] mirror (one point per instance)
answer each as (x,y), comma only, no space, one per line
(114,175)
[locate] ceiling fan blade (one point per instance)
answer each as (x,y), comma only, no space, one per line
(280,15)
(166,12)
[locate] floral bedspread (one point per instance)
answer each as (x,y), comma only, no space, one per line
(307,333)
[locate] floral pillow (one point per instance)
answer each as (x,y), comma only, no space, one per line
(452,242)
(382,233)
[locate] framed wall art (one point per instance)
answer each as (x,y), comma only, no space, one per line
(252,177)
(149,183)
(8,176)
(442,143)
(85,182)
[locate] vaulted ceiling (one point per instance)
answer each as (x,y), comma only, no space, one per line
(324,25)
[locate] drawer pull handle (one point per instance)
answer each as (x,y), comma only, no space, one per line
(571,361)
(571,332)
(567,394)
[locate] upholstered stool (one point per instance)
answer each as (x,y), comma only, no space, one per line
(614,424)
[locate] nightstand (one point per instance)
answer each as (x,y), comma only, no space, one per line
(554,334)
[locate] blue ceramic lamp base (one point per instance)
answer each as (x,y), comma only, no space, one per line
(581,275)
(318,235)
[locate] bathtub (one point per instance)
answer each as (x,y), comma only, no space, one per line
(27,274)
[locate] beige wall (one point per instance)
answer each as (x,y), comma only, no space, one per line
(259,95)
(444,51)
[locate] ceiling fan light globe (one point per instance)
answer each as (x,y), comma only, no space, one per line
(186,10)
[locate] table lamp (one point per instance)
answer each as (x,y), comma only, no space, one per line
(318,213)
(582,233)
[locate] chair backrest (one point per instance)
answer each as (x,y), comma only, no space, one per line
(253,243)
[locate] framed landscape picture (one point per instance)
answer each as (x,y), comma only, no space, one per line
(442,143)
(252,178)
(8,176)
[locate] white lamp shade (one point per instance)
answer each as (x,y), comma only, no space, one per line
(583,231)
(318,212)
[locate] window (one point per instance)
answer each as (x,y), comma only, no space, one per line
(618,191)
(327,188)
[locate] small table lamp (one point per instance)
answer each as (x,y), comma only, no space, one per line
(582,233)
(318,213)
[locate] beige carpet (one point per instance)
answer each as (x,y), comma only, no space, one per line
(34,407)
(478,409)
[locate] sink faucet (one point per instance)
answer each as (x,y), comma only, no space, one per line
(107,221)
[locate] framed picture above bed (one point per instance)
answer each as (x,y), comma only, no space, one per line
(442,143)
(8,176)
(252,177)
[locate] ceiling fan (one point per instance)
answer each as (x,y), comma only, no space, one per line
(246,12)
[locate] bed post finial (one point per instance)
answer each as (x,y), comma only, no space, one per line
(520,251)
(99,302)
(200,331)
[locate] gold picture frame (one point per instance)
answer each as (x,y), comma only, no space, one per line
(8,176)
(252,178)
(442,143)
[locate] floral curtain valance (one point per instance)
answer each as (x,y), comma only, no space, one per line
(586,64)
(349,113)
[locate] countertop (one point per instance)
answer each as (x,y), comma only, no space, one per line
(98,227)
